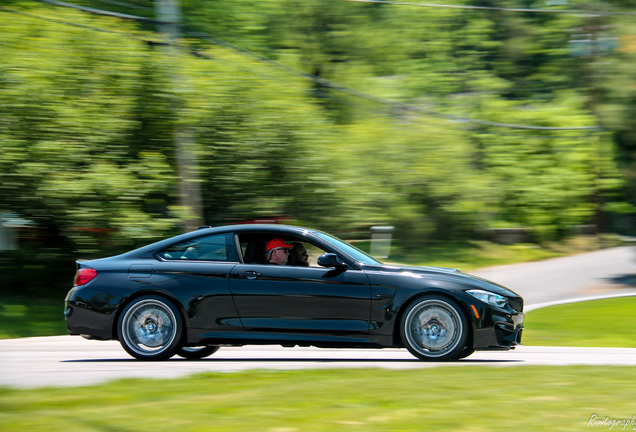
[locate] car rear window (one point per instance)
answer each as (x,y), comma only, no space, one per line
(218,247)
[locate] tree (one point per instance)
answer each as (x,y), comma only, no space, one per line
(68,163)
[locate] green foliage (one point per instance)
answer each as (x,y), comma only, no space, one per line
(71,103)
(260,156)
(88,117)
(618,101)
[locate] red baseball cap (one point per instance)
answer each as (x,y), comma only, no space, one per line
(277,243)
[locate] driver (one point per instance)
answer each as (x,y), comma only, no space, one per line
(277,251)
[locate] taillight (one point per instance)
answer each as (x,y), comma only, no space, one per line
(84,276)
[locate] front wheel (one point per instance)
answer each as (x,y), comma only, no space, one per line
(468,350)
(435,328)
(150,328)
(196,353)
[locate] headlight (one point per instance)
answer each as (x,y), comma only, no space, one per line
(489,297)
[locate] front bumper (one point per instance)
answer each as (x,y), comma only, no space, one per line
(504,333)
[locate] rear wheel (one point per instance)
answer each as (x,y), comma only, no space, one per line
(198,352)
(435,328)
(150,328)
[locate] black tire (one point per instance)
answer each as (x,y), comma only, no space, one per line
(150,328)
(435,328)
(469,350)
(196,353)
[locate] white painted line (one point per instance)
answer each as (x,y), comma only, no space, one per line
(529,308)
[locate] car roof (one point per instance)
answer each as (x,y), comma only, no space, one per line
(238,228)
(258,227)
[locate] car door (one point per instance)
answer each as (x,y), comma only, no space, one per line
(197,272)
(272,298)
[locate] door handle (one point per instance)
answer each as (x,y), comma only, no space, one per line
(249,274)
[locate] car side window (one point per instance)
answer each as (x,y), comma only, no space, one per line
(219,247)
(253,247)
(314,252)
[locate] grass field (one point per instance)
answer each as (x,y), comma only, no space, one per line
(600,323)
(476,254)
(437,399)
(449,398)
(41,315)
(27,317)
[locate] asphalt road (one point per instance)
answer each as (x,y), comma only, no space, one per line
(609,272)
(73,361)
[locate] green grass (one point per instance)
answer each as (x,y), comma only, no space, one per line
(602,323)
(465,255)
(450,398)
(475,255)
(479,254)
(27,317)
(438,399)
(599,323)
(42,314)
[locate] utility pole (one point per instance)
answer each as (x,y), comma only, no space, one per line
(592,42)
(168,13)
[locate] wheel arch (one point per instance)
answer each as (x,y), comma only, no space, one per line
(148,292)
(444,294)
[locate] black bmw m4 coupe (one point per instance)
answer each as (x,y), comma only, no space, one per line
(236,285)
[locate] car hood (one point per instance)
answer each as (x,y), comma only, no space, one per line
(448,274)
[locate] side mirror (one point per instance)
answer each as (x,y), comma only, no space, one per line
(332,260)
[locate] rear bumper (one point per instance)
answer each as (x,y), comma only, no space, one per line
(90,313)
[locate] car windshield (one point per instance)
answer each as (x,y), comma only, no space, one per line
(352,251)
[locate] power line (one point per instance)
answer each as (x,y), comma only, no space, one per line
(82,26)
(316,79)
(102,12)
(494,8)
(262,59)
(397,105)
(125,4)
